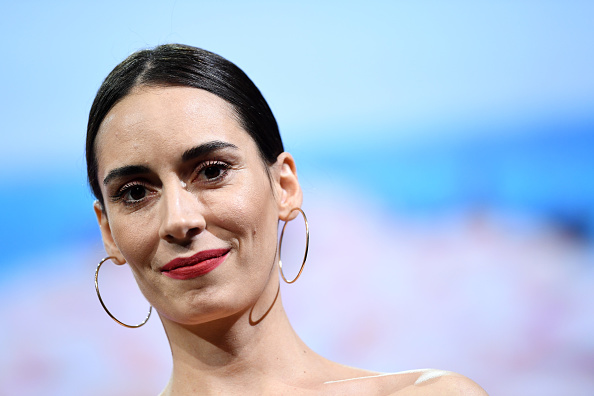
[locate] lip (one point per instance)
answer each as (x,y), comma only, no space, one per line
(194,266)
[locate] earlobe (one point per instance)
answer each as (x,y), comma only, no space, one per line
(108,242)
(291,195)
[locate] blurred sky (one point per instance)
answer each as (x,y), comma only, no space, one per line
(420,108)
(361,78)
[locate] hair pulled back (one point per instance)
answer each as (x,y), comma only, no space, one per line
(183,65)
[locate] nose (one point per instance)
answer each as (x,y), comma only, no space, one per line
(182,217)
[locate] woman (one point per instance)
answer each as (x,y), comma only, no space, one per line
(186,161)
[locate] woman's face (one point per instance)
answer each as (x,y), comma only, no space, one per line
(180,178)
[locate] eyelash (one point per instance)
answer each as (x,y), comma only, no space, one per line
(126,188)
(223,166)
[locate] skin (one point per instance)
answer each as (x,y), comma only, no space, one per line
(228,331)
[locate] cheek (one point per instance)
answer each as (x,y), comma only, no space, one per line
(137,238)
(248,211)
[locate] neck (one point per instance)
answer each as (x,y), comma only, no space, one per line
(253,348)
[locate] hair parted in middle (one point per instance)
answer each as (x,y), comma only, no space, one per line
(183,65)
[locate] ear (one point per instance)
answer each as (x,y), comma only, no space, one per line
(108,242)
(290,195)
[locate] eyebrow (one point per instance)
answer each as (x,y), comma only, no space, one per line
(125,171)
(206,148)
(188,155)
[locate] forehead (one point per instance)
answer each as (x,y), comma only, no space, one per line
(153,122)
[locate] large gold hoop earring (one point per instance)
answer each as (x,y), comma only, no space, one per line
(280,244)
(103,304)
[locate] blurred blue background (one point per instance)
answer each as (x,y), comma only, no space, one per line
(446,148)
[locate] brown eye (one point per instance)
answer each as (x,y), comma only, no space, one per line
(136,193)
(212,172)
(132,193)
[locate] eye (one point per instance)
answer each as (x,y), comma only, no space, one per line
(131,193)
(211,171)
(135,193)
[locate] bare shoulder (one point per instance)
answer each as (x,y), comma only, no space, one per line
(407,383)
(438,382)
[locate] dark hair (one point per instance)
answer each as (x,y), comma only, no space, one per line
(183,65)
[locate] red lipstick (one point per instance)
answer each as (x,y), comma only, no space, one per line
(197,265)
